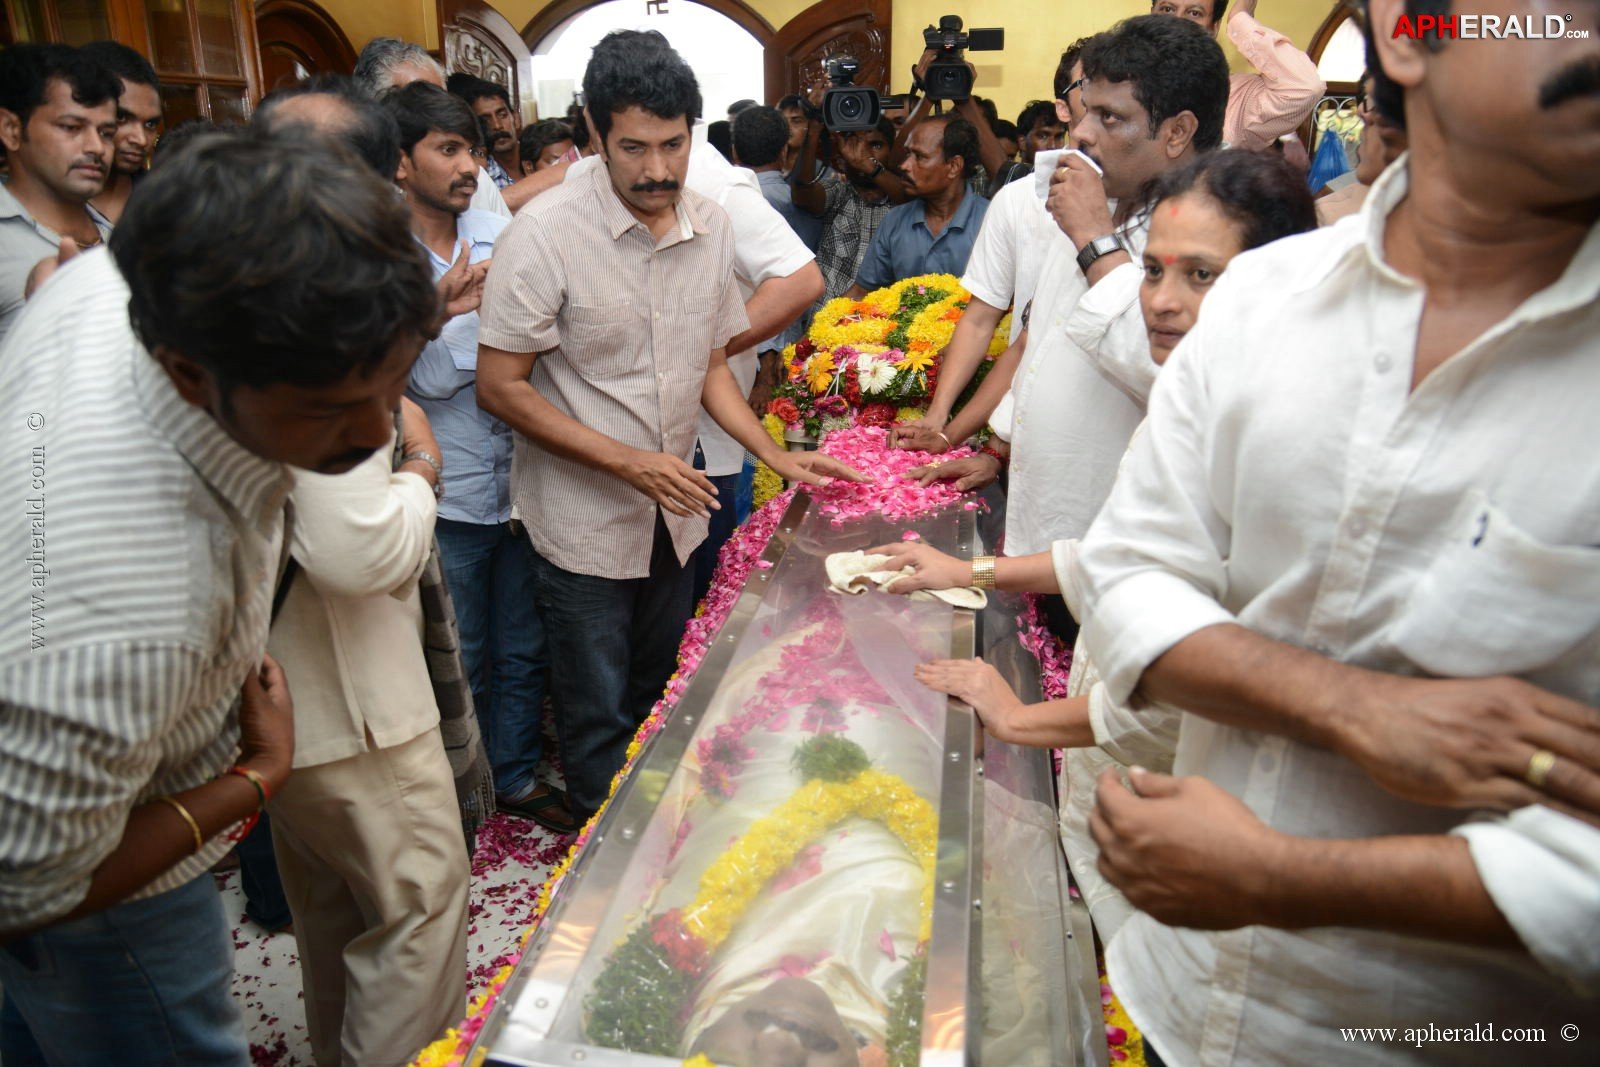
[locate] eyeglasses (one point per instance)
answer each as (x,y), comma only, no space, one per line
(1079,84)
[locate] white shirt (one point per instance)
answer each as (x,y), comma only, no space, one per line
(764,246)
(1289,480)
(1017,232)
(1077,397)
(144,545)
(350,632)
(487,197)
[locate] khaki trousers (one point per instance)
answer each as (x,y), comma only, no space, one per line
(375,869)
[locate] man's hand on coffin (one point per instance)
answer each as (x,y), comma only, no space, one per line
(925,435)
(980,687)
(1184,850)
(670,482)
(969,473)
(930,568)
(813,468)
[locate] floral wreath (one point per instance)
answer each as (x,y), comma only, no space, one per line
(640,997)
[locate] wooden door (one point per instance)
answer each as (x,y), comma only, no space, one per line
(478,40)
(826,29)
(298,38)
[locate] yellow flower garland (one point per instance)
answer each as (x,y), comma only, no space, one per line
(731,884)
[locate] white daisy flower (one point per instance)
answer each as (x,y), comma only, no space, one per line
(874,375)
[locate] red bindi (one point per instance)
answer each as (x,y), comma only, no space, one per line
(1169,260)
(1174,210)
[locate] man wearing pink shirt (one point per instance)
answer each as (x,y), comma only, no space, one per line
(1264,106)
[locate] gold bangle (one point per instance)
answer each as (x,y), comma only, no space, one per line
(194,827)
(983,572)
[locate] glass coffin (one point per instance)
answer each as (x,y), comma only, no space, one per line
(811,855)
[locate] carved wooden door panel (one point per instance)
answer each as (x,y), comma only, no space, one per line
(824,30)
(478,40)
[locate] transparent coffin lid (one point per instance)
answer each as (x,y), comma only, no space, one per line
(845,916)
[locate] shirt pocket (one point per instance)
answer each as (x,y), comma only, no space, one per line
(699,324)
(602,339)
(1497,601)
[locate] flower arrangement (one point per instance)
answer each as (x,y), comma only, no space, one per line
(638,1000)
(875,361)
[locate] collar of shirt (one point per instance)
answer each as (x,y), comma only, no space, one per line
(959,221)
(478,228)
(1578,286)
(256,487)
(12,208)
(620,220)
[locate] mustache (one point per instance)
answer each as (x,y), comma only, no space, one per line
(469,185)
(89,161)
(1574,80)
(495,136)
(668,186)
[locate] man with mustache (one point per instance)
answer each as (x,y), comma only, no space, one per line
(501,125)
(604,331)
(487,561)
(58,115)
(1357,546)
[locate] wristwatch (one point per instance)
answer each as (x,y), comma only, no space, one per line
(1100,246)
(433,461)
(810,111)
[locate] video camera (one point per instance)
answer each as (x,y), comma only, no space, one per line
(846,106)
(948,76)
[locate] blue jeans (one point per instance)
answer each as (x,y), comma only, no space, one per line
(264,902)
(145,982)
(723,522)
(489,569)
(613,644)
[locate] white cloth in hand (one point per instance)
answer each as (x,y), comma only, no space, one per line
(856,572)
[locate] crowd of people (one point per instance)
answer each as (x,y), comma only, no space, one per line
(437,420)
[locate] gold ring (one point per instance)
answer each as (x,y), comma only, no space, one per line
(1539,765)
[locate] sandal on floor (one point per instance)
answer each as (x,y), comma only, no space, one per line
(546,806)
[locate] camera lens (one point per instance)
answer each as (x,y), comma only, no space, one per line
(851,108)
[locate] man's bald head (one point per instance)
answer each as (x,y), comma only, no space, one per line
(335,107)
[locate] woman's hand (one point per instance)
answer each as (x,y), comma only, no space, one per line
(980,686)
(931,569)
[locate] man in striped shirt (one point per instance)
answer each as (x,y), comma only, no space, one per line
(150,398)
(603,332)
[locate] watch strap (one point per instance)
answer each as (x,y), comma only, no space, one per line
(1100,246)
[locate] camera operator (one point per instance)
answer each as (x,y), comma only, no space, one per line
(850,202)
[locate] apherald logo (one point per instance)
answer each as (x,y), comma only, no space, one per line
(1478,27)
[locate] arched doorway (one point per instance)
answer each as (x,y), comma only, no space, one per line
(298,38)
(723,40)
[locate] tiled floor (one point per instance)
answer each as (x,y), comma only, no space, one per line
(512,860)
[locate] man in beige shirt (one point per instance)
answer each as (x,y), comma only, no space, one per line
(602,334)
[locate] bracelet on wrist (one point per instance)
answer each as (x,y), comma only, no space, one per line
(983,572)
(987,449)
(194,827)
(263,794)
